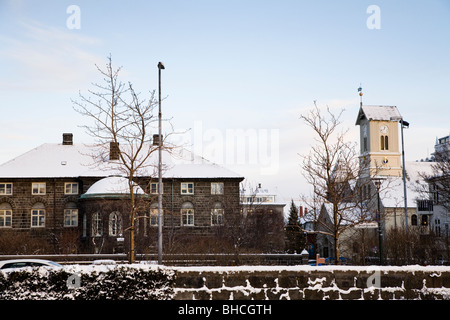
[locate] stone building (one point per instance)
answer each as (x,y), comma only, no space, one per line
(54,199)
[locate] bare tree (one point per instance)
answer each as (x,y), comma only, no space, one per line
(123,124)
(334,170)
(437,183)
(434,188)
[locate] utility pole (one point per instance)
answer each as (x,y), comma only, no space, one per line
(160,67)
(377,182)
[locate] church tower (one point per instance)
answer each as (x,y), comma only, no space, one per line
(379,139)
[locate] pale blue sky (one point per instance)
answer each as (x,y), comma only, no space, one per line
(230,65)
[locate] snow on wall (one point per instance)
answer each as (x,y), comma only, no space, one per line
(228,283)
(312,283)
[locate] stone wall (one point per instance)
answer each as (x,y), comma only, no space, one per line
(312,283)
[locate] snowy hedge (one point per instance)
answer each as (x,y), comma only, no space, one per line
(87,283)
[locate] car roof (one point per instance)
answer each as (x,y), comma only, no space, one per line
(3,262)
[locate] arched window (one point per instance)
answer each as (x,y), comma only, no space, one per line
(115,224)
(384,142)
(5,215)
(424,221)
(187,214)
(38,215)
(414,220)
(97,225)
(154,214)
(217,214)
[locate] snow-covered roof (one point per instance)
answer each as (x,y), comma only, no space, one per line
(378,113)
(349,212)
(59,161)
(111,186)
(392,190)
(391,194)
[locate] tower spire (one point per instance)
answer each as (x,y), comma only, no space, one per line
(360,94)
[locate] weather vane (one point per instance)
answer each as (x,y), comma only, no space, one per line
(360,94)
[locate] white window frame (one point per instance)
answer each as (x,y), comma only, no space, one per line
(154,217)
(41,188)
(217,188)
(187,217)
(4,189)
(70,186)
(70,217)
(217,217)
(38,218)
(186,189)
(115,224)
(97,225)
(4,215)
(154,188)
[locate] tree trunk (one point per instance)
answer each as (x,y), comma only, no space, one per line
(132,219)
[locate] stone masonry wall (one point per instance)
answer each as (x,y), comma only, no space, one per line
(312,283)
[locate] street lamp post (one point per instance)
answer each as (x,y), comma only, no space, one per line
(377,182)
(160,67)
(403,123)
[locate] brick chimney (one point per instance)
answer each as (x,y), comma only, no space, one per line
(67,139)
(114,151)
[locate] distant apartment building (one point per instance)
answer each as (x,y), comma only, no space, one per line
(264,217)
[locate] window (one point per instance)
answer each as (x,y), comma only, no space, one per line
(414,220)
(434,190)
(115,224)
(38,188)
(384,142)
(6,189)
(437,227)
(71,215)
(38,216)
(84,227)
(71,188)
(187,214)
(154,188)
(217,215)
(217,188)
(5,215)
(187,188)
(424,221)
(154,214)
(97,225)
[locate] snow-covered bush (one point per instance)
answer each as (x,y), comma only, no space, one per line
(125,283)
(93,283)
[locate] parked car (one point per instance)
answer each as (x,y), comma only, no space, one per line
(104,262)
(22,263)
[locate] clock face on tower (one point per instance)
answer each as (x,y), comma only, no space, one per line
(384,129)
